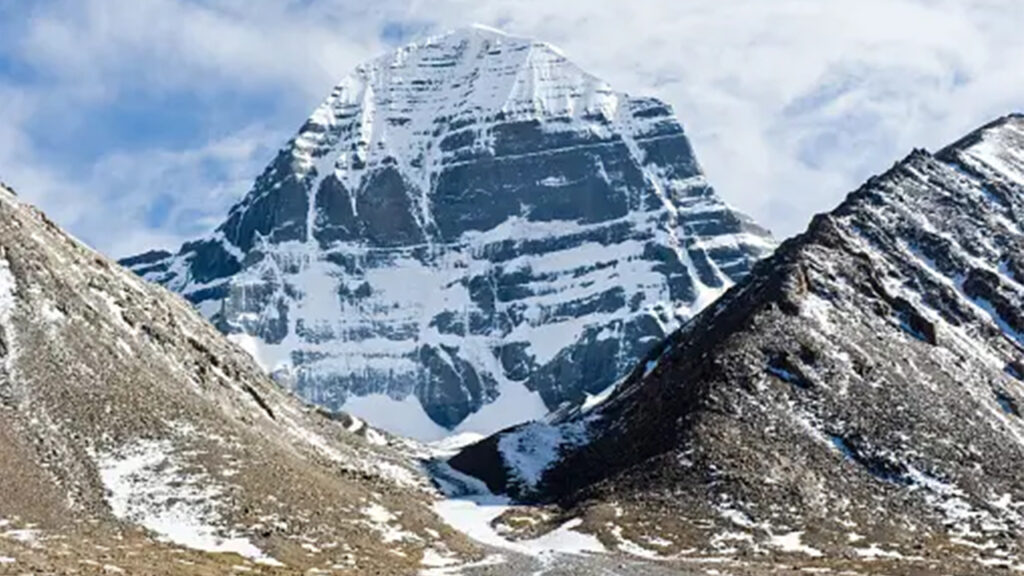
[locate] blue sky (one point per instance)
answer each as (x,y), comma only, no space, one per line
(137,124)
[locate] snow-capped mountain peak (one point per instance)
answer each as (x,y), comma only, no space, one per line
(394,108)
(467,233)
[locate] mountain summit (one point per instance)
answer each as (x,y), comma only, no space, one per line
(469,232)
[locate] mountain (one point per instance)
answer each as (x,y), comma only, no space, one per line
(135,438)
(856,399)
(469,232)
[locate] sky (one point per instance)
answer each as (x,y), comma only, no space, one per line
(137,124)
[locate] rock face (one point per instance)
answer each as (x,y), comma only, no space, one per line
(470,227)
(135,438)
(858,395)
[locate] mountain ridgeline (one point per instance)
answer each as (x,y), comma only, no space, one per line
(469,232)
(473,234)
(859,395)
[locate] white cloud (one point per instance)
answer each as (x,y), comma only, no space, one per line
(100,46)
(183,199)
(790,103)
(113,205)
(100,56)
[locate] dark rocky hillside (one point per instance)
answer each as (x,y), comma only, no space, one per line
(857,398)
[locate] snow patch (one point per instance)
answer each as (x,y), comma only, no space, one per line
(1003,325)
(818,309)
(404,417)
(553,181)
(997,151)
(473,517)
(515,404)
(23,535)
(594,400)
(530,449)
(649,367)
(629,547)
(451,445)
(8,302)
(792,542)
(147,486)
(381,519)
(459,569)
(433,558)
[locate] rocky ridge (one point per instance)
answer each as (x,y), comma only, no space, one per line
(857,399)
(134,437)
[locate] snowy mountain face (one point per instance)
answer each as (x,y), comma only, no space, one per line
(467,233)
(858,396)
(134,438)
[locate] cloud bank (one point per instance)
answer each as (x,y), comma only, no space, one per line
(136,124)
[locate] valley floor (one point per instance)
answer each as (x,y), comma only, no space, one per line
(486,518)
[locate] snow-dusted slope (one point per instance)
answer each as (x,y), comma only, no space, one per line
(467,233)
(857,396)
(134,438)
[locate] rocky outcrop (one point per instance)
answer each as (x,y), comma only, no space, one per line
(467,233)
